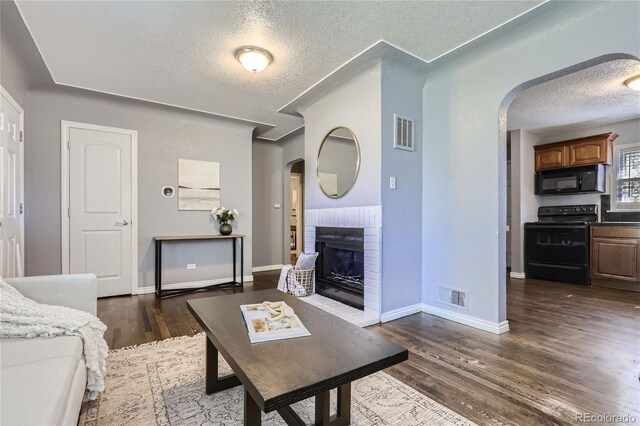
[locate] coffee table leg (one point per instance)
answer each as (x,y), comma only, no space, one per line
(213,383)
(252,413)
(323,406)
(343,416)
(323,410)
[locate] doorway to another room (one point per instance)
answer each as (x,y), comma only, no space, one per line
(296,214)
(565,173)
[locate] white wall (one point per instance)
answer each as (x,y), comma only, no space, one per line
(356,105)
(464,161)
(524,202)
(164,135)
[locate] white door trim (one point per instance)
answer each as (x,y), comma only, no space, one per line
(64,144)
(17,106)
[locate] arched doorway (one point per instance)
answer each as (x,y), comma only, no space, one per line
(516,160)
(293,211)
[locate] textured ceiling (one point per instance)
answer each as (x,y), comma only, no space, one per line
(181,53)
(586,98)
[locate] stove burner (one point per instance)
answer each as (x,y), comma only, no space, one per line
(578,213)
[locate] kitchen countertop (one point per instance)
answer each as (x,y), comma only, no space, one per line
(615,224)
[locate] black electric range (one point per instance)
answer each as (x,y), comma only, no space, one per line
(556,248)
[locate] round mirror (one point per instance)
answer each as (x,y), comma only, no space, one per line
(338,162)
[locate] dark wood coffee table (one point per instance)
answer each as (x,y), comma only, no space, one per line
(280,373)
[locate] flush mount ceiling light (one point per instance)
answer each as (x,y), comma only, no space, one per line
(254,59)
(633,83)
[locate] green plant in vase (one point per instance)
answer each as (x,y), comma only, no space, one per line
(224,218)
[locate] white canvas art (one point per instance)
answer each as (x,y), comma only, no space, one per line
(198,185)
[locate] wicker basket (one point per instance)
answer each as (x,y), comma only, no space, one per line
(301,282)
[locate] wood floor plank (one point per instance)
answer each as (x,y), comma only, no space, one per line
(571,349)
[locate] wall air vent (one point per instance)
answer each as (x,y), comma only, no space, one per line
(404,133)
(459,298)
(453,297)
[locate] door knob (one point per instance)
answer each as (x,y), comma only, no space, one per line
(123,223)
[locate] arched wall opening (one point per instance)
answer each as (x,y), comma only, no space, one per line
(502,153)
(293,239)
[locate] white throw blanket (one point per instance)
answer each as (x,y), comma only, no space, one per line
(25,318)
(282,282)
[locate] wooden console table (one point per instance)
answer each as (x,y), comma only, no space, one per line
(186,238)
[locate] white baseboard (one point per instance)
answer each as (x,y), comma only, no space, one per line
(517,275)
(401,312)
(266,268)
(190,284)
(491,327)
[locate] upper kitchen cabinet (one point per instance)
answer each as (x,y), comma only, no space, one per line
(553,157)
(584,151)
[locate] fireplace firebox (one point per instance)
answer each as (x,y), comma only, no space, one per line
(340,265)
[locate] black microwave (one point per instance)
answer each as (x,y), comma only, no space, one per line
(575,180)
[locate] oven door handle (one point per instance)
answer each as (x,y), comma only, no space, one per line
(552,225)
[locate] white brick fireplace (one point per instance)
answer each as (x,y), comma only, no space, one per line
(370,219)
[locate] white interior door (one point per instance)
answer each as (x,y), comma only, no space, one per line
(11,181)
(101,206)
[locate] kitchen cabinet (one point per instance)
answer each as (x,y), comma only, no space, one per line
(596,149)
(554,157)
(615,256)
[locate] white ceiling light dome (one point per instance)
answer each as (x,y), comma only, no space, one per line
(254,59)
(633,83)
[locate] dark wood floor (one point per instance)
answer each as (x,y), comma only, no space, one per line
(571,349)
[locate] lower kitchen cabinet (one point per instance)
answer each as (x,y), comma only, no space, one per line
(615,256)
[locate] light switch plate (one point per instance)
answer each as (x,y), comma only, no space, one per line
(392,182)
(276,206)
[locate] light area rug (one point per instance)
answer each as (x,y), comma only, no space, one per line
(162,383)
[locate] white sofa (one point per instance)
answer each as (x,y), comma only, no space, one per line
(43,379)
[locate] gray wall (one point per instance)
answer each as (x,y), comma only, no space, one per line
(292,154)
(164,135)
(293,147)
(267,190)
(21,66)
(272,162)
(402,207)
(366,105)
(356,105)
(465,138)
